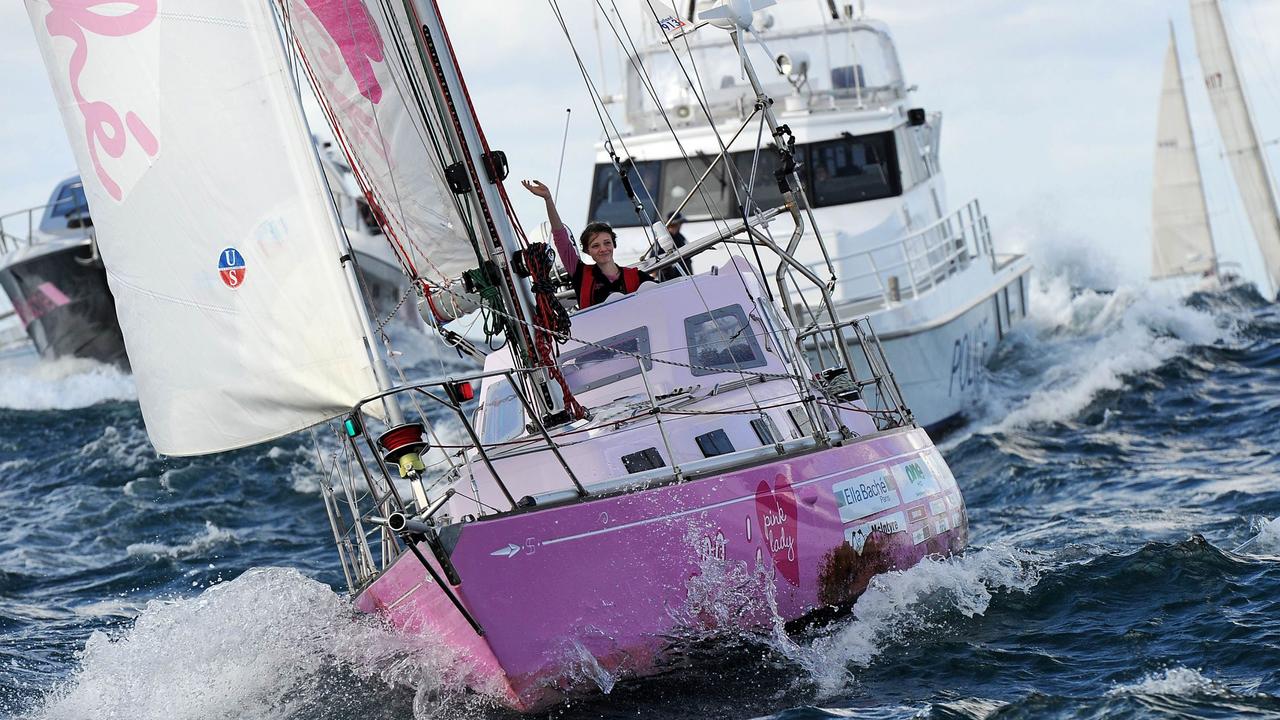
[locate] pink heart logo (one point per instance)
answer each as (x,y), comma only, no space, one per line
(776,511)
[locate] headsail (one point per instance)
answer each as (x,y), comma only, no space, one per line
(211,214)
(1181,241)
(1239,136)
(377,102)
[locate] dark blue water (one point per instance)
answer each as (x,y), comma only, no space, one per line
(1122,455)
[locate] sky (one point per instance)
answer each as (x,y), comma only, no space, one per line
(1049,111)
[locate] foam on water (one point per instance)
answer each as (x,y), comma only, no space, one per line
(211,537)
(1172,681)
(902,603)
(63,384)
(1094,340)
(1265,541)
(269,644)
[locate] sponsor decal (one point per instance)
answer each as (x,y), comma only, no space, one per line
(917,513)
(865,495)
(915,479)
(776,511)
(920,534)
(231,267)
(941,525)
(937,507)
(889,524)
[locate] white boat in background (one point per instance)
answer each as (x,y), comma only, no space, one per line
(1182,244)
(938,294)
(63,306)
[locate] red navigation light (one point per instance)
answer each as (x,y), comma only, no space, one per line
(460,392)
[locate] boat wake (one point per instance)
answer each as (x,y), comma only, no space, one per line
(1078,344)
(63,384)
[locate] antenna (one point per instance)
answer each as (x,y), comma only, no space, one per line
(568,113)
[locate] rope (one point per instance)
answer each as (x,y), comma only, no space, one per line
(552,316)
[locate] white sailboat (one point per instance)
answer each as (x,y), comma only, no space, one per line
(1181,237)
(1182,241)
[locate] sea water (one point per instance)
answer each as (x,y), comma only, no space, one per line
(1123,490)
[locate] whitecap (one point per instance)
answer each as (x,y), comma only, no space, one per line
(269,644)
(1176,681)
(900,603)
(63,384)
(199,545)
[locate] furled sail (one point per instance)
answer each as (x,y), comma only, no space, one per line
(365,69)
(220,245)
(1240,138)
(1181,241)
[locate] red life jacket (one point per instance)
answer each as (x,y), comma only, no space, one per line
(587,279)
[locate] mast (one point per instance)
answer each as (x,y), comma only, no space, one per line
(1240,137)
(486,169)
(1181,238)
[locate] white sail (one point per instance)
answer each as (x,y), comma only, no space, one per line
(211,214)
(1240,138)
(371,87)
(1181,241)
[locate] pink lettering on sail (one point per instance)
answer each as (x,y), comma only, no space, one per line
(348,23)
(776,511)
(104,128)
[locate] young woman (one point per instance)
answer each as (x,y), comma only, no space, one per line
(593,282)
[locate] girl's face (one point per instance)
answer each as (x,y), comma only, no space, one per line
(600,248)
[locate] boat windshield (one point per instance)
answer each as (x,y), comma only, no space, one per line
(500,415)
(849,169)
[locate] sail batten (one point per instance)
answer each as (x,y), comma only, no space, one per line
(1181,238)
(1240,137)
(211,216)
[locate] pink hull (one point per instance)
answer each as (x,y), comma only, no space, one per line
(612,577)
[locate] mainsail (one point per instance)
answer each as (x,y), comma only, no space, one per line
(1181,241)
(1240,138)
(221,247)
(359,60)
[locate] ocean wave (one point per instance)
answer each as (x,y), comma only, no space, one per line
(1078,344)
(211,537)
(269,644)
(64,384)
(1171,681)
(900,604)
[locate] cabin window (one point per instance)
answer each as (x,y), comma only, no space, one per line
(501,414)
(647,459)
(854,169)
(801,420)
(609,201)
(590,367)
(721,340)
(714,443)
(766,430)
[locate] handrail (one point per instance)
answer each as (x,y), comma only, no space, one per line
(928,255)
(10,241)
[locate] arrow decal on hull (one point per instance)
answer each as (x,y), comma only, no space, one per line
(509,551)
